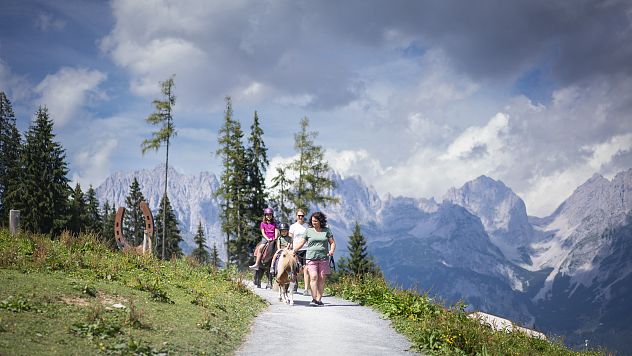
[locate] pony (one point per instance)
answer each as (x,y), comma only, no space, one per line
(286,272)
(267,252)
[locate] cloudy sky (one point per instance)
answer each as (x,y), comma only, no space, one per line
(413,96)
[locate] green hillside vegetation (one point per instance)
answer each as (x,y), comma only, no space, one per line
(434,329)
(76,296)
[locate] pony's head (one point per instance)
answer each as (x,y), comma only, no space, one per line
(288,263)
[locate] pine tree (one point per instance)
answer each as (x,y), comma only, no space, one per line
(200,253)
(214,259)
(10,147)
(359,262)
(162,116)
(134,221)
(312,185)
(93,216)
(171,244)
(107,226)
(43,187)
(77,222)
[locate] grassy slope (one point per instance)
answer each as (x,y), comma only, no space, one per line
(433,329)
(58,297)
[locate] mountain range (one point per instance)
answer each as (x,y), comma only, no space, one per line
(568,274)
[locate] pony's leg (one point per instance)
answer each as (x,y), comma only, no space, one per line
(291,291)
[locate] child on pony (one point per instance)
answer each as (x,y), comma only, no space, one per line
(284,242)
(269,232)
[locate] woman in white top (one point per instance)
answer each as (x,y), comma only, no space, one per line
(297,231)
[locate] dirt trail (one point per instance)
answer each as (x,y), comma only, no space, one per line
(339,327)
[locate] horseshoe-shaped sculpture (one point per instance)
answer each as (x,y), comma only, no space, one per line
(143,248)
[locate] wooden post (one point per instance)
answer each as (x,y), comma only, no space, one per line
(14,221)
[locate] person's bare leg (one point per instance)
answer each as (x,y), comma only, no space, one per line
(306,279)
(321,287)
(258,257)
(313,283)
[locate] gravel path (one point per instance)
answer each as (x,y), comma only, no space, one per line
(339,327)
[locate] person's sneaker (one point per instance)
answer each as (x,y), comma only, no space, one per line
(313,303)
(254,266)
(320,303)
(306,292)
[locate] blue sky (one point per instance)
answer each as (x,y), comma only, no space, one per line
(413,96)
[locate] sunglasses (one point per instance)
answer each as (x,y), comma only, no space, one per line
(300,216)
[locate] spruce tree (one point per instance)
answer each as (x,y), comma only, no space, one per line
(162,116)
(200,253)
(107,226)
(215,261)
(313,184)
(233,189)
(93,217)
(77,222)
(172,243)
(10,147)
(359,262)
(134,221)
(43,187)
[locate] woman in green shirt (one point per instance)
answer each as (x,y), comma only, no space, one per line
(320,245)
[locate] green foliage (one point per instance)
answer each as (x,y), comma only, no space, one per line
(134,221)
(43,187)
(171,244)
(200,254)
(163,116)
(107,226)
(77,222)
(214,259)
(17,304)
(313,184)
(281,186)
(435,329)
(92,215)
(360,263)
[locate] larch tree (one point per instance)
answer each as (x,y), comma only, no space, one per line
(282,196)
(163,116)
(43,188)
(313,184)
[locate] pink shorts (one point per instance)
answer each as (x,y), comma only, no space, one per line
(318,267)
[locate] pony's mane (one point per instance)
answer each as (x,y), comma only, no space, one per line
(287,262)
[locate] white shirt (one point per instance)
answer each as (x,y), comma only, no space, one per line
(297,230)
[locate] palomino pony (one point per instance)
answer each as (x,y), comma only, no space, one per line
(267,252)
(286,272)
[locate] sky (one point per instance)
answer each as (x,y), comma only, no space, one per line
(413,96)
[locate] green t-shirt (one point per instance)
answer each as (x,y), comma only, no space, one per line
(317,243)
(284,241)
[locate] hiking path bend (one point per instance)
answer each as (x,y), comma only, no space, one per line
(340,327)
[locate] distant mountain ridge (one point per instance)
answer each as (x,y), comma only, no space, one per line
(478,245)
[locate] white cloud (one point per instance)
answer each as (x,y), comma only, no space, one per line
(92,164)
(475,141)
(46,22)
(66,92)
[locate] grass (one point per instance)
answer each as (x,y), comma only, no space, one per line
(437,330)
(74,296)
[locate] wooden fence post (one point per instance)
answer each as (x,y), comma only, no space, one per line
(14,221)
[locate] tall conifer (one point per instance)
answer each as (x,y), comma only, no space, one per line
(10,147)
(359,261)
(77,222)
(313,184)
(92,216)
(43,189)
(172,243)
(134,221)
(107,225)
(162,116)
(200,253)
(214,259)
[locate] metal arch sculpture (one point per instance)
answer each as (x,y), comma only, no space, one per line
(143,248)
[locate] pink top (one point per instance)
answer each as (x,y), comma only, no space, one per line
(268,229)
